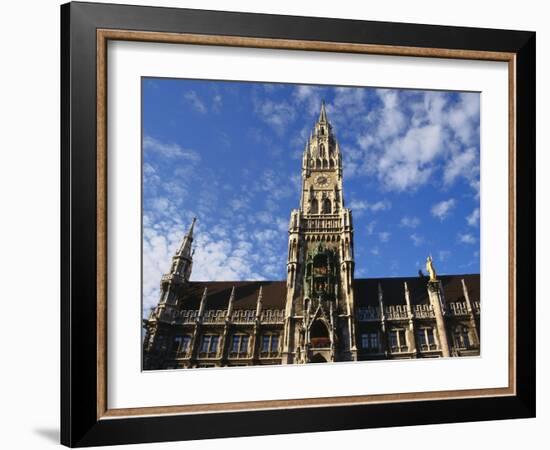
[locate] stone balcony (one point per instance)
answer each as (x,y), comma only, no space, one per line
(218,316)
(394,312)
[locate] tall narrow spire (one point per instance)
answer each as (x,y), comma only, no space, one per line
(323,113)
(185,247)
(182,261)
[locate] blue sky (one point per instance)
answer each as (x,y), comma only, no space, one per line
(229,154)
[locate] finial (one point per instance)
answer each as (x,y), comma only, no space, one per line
(190,232)
(230,305)
(407,295)
(203,302)
(259,303)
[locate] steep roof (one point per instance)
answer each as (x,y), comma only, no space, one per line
(393,289)
(366,292)
(246,294)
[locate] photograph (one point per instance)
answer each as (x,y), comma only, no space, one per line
(281,222)
(294,224)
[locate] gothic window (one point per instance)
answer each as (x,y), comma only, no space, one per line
(314,206)
(181,345)
(370,342)
(425,339)
(327,207)
(209,345)
(322,150)
(398,342)
(239,345)
(270,344)
(322,130)
(161,344)
(461,337)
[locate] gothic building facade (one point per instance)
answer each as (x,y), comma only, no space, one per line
(321,313)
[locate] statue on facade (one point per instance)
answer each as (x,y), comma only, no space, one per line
(431,269)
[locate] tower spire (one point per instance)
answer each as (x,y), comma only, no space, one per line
(182,261)
(323,113)
(185,247)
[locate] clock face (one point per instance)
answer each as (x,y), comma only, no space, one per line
(322,180)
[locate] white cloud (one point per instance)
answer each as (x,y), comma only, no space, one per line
(348,105)
(411,138)
(417,239)
(375,251)
(442,209)
(238,203)
(380,206)
(473,219)
(169,150)
(276,114)
(196,102)
(463,163)
(217,103)
(410,222)
(474,184)
(358,207)
(463,118)
(407,161)
(384,236)
(466,238)
(310,96)
(392,120)
(370,227)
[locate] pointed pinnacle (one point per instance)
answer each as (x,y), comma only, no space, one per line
(323,113)
(190,232)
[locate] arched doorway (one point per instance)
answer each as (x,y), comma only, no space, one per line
(318,358)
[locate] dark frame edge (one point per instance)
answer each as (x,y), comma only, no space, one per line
(65,368)
(78,226)
(525,223)
(79,424)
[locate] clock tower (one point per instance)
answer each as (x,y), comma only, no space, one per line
(320,303)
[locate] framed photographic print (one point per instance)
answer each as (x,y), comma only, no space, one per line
(277,224)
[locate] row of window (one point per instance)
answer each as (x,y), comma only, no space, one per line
(370,342)
(209,344)
(425,340)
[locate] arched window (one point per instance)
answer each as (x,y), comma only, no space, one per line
(314,206)
(327,207)
(319,335)
(322,150)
